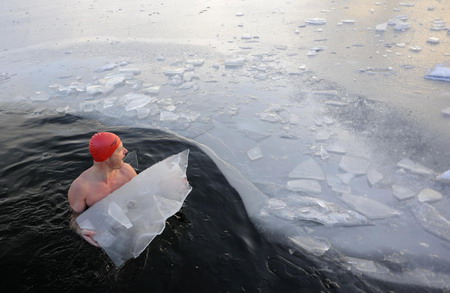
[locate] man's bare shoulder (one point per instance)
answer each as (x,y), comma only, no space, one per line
(128,171)
(80,184)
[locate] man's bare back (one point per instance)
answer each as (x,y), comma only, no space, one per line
(108,173)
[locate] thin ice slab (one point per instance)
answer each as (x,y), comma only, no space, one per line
(431,220)
(128,219)
(372,209)
(439,72)
(304,185)
(308,169)
(402,193)
(413,167)
(354,165)
(310,245)
(429,195)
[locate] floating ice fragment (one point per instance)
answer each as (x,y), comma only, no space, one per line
(310,245)
(336,103)
(439,72)
(354,165)
(336,148)
(316,21)
(374,177)
(429,195)
(407,4)
(381,27)
(370,208)
(431,220)
(246,37)
(151,90)
(134,71)
(337,185)
(346,177)
(135,101)
(415,168)
(415,48)
(109,66)
(270,117)
(433,40)
(444,177)
(401,192)
(115,80)
(328,121)
(348,21)
(40,97)
(239,14)
(236,62)
(327,93)
(308,169)
(186,85)
(362,265)
(304,185)
(322,135)
(323,153)
(94,89)
(168,116)
(176,71)
(196,62)
(255,153)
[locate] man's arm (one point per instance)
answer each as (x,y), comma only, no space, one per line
(77,201)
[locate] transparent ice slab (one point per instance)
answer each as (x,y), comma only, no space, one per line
(128,219)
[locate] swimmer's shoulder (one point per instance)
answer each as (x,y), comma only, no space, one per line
(128,171)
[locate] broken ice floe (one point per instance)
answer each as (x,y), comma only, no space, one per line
(354,165)
(106,67)
(310,245)
(402,193)
(381,27)
(372,209)
(305,208)
(433,40)
(374,177)
(316,21)
(236,62)
(444,177)
(431,220)
(429,195)
(336,148)
(415,168)
(174,71)
(134,101)
(308,169)
(337,185)
(439,72)
(255,153)
(304,185)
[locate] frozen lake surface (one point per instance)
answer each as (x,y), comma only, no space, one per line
(317,112)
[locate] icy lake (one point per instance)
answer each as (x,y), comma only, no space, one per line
(317,112)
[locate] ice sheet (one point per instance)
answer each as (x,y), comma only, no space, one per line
(128,219)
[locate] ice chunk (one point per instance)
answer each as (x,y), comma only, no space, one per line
(94,89)
(308,169)
(433,40)
(239,14)
(186,85)
(116,212)
(135,101)
(374,177)
(415,168)
(336,148)
(444,177)
(151,90)
(354,165)
(337,185)
(430,219)
(446,111)
(172,72)
(145,203)
(305,208)
(429,195)
(255,153)
(310,245)
(237,62)
(304,185)
(381,27)
(401,192)
(370,208)
(106,67)
(322,135)
(363,265)
(115,80)
(134,71)
(316,21)
(439,72)
(168,116)
(196,62)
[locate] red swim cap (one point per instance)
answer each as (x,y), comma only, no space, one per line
(102,145)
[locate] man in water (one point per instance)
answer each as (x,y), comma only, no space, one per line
(108,173)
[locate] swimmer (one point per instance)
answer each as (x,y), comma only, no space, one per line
(107,174)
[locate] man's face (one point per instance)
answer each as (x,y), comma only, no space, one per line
(116,159)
